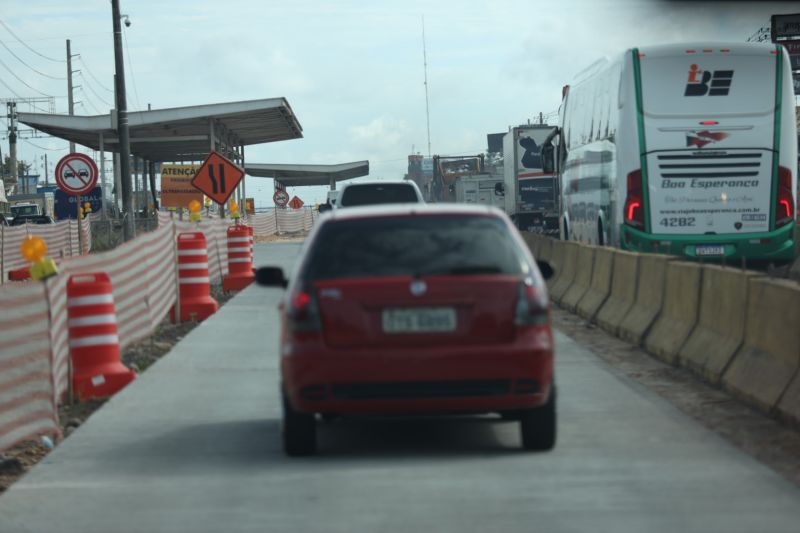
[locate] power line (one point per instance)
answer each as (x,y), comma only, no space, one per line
(43,148)
(23,81)
(9,88)
(27,65)
(89,85)
(86,97)
(23,43)
(130,68)
(80,58)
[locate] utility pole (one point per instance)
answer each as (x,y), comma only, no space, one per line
(427,105)
(128,223)
(12,142)
(70,101)
(46,175)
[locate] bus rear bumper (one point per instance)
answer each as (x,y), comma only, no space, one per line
(774,246)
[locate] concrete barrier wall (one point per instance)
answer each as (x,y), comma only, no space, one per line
(720,326)
(545,251)
(532,240)
(763,369)
(600,288)
(679,313)
(583,278)
(789,405)
(649,298)
(556,261)
(568,271)
(729,326)
(623,291)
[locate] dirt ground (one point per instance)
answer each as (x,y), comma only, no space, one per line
(766,439)
(21,458)
(286,237)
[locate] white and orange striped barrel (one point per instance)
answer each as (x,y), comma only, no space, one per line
(93,341)
(240,258)
(194,282)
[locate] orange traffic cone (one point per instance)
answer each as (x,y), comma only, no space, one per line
(196,302)
(93,341)
(240,259)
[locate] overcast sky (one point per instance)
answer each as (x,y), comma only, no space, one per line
(351,70)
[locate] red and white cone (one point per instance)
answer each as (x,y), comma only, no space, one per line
(240,259)
(196,302)
(97,369)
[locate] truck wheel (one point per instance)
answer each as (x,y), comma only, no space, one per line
(299,431)
(538,426)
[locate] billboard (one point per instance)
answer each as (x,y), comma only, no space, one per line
(66,205)
(176,185)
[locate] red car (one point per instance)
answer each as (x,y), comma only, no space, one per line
(415,309)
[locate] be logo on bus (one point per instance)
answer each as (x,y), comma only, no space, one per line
(703,82)
(702,138)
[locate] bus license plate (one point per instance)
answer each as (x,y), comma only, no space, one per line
(709,249)
(419,320)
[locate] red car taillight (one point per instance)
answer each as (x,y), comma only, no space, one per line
(634,202)
(784,201)
(532,305)
(303,313)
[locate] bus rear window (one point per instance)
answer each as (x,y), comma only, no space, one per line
(708,84)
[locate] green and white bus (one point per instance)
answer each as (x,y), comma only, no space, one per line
(686,149)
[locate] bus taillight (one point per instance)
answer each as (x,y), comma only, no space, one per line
(634,211)
(784,207)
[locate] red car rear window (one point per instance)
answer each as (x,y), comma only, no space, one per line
(415,246)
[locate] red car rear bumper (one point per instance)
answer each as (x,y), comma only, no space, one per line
(458,379)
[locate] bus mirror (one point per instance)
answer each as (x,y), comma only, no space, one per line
(325,207)
(548,159)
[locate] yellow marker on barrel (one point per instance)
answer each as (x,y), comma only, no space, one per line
(34,249)
(194,211)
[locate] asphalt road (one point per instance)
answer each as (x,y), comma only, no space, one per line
(194,446)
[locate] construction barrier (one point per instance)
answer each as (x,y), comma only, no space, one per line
(569,261)
(240,259)
(194,282)
(62,241)
(600,287)
(582,280)
(97,370)
(34,338)
(27,396)
(649,298)
(623,291)
(762,370)
(720,326)
(679,313)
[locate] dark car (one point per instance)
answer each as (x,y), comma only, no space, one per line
(32,219)
(415,309)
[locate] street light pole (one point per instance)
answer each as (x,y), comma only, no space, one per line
(128,217)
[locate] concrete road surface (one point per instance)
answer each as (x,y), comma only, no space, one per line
(194,446)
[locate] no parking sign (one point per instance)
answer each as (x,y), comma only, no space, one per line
(76,174)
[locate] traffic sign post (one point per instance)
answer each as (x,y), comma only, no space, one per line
(217,177)
(76,174)
(281,198)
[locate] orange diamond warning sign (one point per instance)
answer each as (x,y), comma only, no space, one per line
(296,203)
(217,177)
